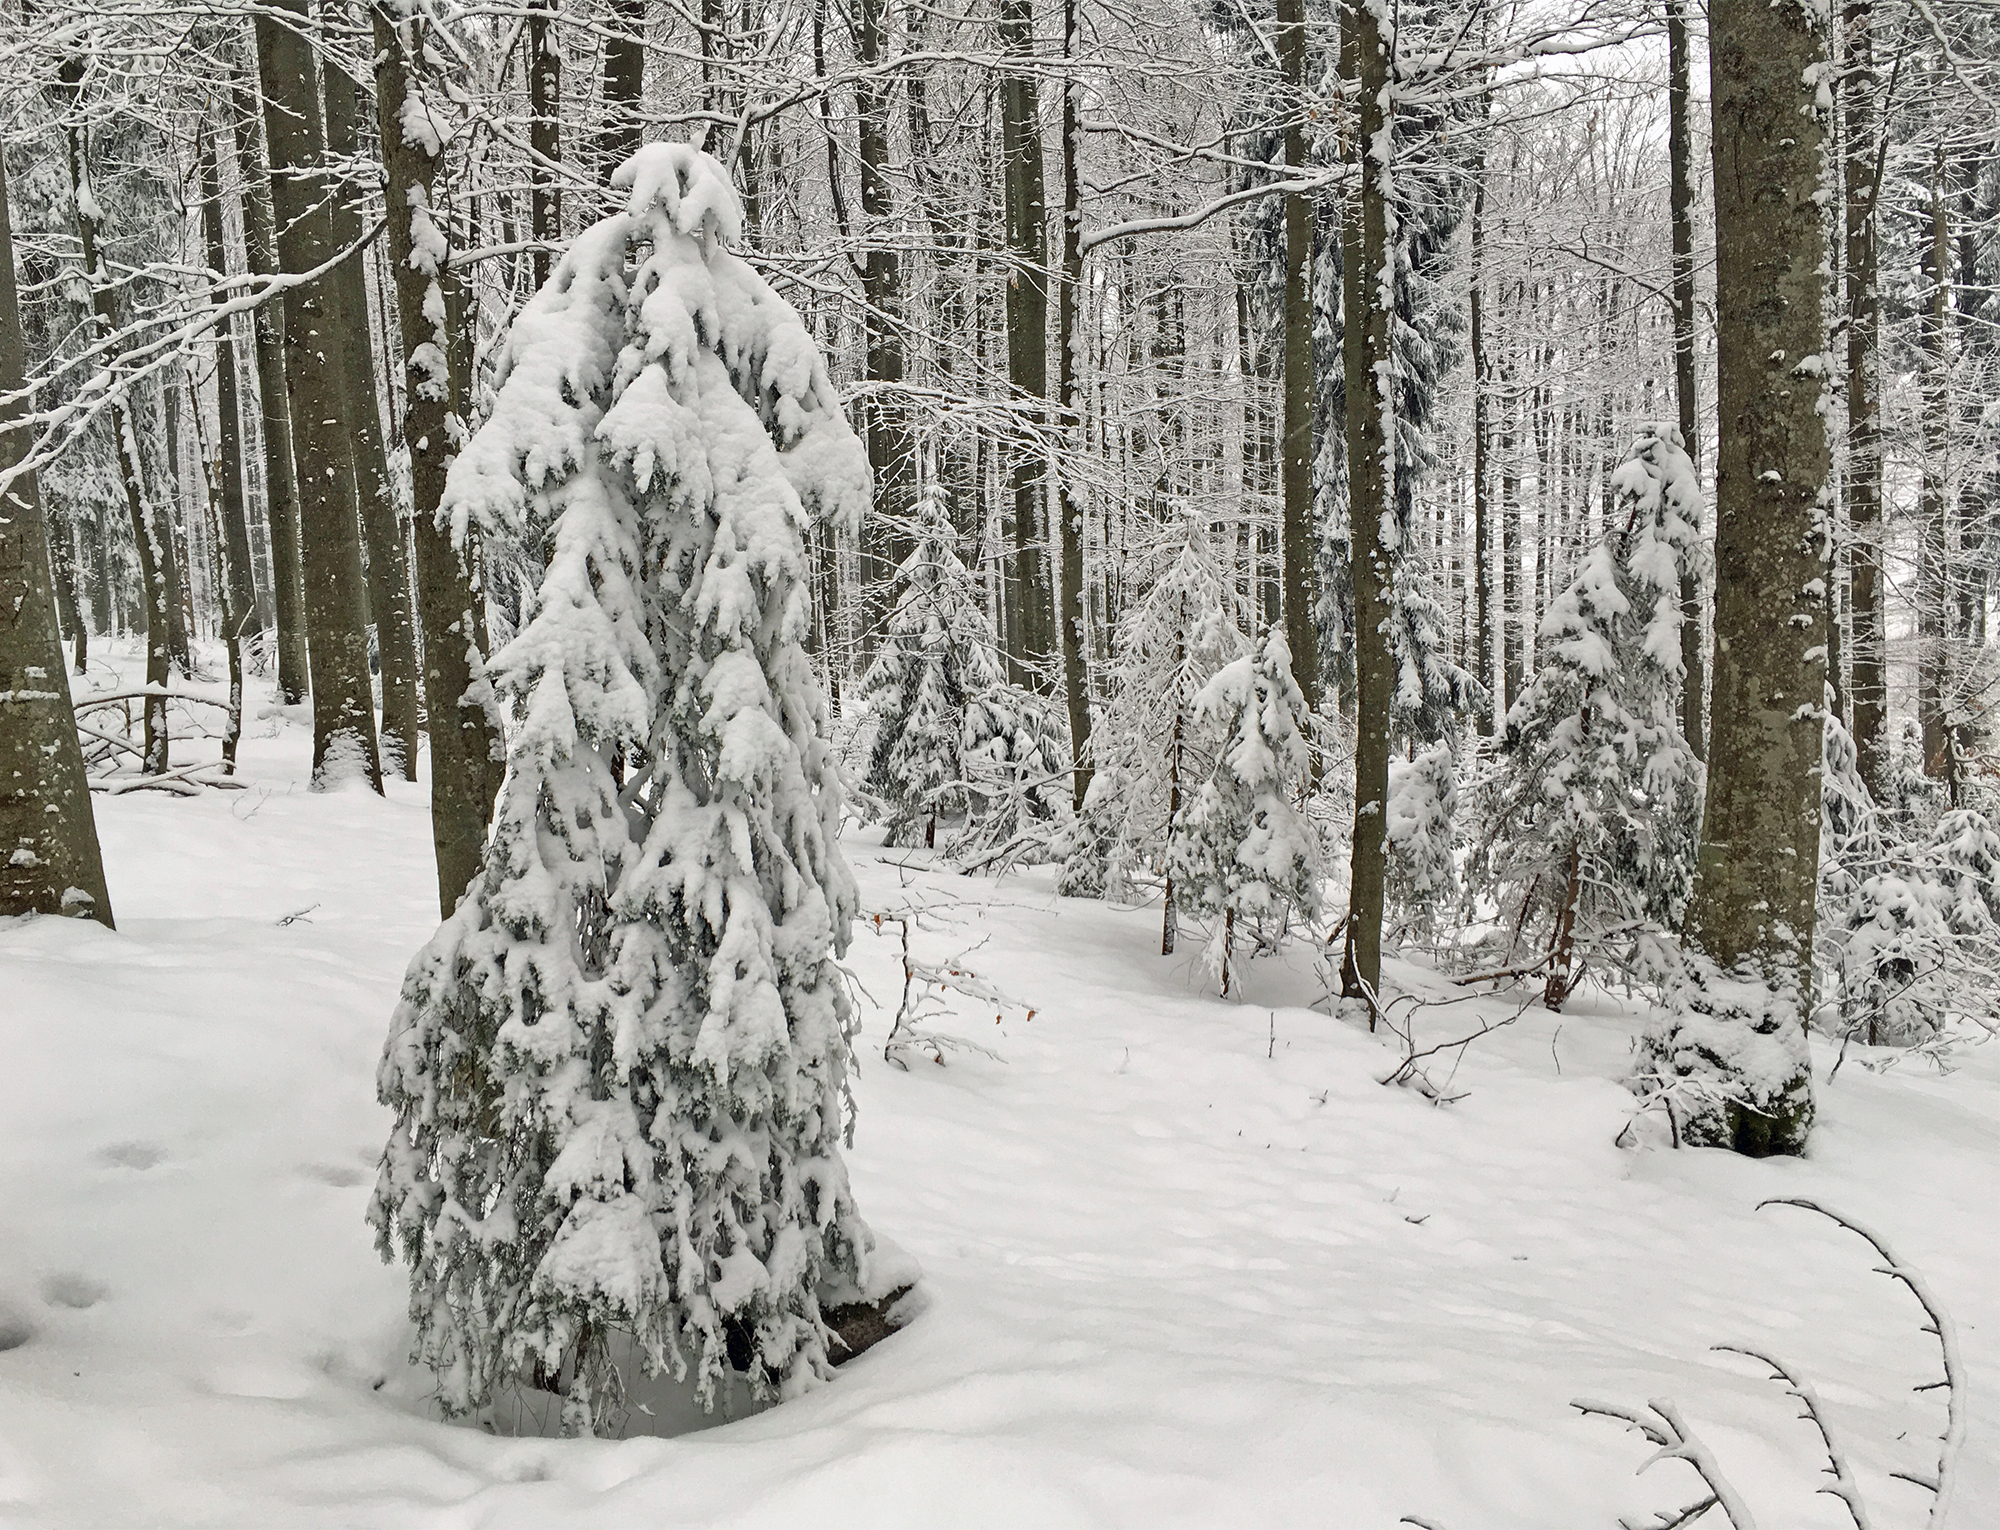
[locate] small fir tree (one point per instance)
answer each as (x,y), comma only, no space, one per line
(934,696)
(619,1069)
(1598,804)
(1240,848)
(1146,752)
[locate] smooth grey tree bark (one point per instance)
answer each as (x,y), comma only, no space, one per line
(342,697)
(50,862)
(1756,882)
(375,496)
(464,772)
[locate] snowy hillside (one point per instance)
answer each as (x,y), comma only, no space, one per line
(1186,1262)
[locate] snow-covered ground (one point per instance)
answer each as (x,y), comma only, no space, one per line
(1187,1262)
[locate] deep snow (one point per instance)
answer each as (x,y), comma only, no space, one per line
(1170,1279)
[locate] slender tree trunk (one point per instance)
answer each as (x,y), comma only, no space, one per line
(343,702)
(240,617)
(155,553)
(281,490)
(62,565)
(1368,300)
(544,135)
(1513,613)
(1934,604)
(463,773)
(1298,538)
(892,454)
(1069,504)
(1482,447)
(375,495)
(169,537)
(51,862)
(1170,915)
(225,477)
(1680,199)
(1753,905)
(1031,643)
(1863,477)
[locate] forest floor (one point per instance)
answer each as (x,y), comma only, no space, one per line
(1187,1262)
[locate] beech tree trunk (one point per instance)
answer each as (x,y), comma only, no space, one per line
(1030,636)
(1368,301)
(464,772)
(1482,451)
(1069,504)
(544,136)
(1680,160)
(281,490)
(885,422)
(1934,603)
(49,857)
(375,496)
(624,85)
(1297,538)
(343,701)
(1757,877)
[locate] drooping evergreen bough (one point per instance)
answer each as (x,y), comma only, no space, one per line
(619,1069)
(1597,807)
(1240,848)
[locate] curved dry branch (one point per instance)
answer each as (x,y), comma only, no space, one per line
(1666,1429)
(1845,1488)
(1940,1327)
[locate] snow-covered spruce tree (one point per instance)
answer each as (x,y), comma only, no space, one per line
(921,695)
(1239,848)
(1165,649)
(618,1069)
(945,730)
(1598,802)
